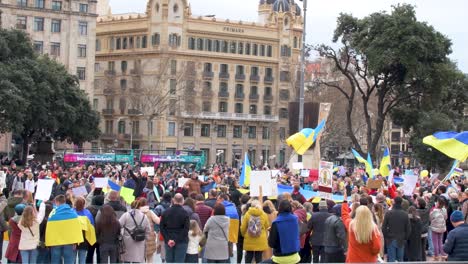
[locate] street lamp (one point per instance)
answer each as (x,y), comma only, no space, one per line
(301,88)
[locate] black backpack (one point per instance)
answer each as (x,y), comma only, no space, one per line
(138,233)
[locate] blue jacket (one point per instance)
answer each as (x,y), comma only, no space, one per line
(456,244)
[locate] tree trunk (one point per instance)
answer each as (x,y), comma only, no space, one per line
(25,149)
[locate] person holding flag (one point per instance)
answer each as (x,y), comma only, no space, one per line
(385,164)
(244,179)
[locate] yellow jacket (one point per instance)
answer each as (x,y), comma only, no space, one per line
(255,243)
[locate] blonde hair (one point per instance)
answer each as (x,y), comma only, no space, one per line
(270,205)
(363,225)
(287,196)
(195,228)
(256,204)
(28,216)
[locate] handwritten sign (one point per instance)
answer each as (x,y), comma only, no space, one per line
(44,189)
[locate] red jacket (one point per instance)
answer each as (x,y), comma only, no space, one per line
(12,253)
(204,212)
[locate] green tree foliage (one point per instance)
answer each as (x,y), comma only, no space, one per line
(387,60)
(42,98)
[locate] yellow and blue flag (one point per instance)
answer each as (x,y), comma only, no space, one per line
(63,227)
(301,141)
(127,194)
(371,169)
(87,225)
(367,163)
(231,212)
(244,179)
(385,164)
(452,144)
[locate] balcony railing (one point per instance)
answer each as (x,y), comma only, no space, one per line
(231,116)
(254,78)
(239,95)
(253,97)
(223,94)
(134,112)
(268,79)
(224,75)
(107,111)
(108,136)
(207,93)
(267,98)
(207,75)
(240,77)
(109,73)
(108,91)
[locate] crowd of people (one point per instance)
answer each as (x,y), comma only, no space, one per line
(214,220)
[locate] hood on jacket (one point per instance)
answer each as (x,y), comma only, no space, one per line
(144,209)
(220,219)
(13,201)
(188,209)
(301,214)
(255,211)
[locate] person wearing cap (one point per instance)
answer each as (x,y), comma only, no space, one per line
(316,224)
(456,244)
(12,253)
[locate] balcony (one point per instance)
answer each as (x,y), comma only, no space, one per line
(108,91)
(107,112)
(108,136)
(134,112)
(207,75)
(268,79)
(268,98)
(136,71)
(239,96)
(110,73)
(240,77)
(223,94)
(254,78)
(135,136)
(207,93)
(253,97)
(230,116)
(224,76)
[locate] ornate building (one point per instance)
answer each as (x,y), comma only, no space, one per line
(168,80)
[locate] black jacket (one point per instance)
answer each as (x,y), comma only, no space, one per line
(317,225)
(175,224)
(396,225)
(456,244)
(334,239)
(425,221)
(140,183)
(413,245)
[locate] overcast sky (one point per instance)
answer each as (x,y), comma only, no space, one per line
(449,17)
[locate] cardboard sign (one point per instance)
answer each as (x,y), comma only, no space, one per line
(260,178)
(44,189)
(325,179)
(305,173)
(101,182)
(79,191)
(409,184)
(298,165)
(182,182)
(149,170)
(374,184)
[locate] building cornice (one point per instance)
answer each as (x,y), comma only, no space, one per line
(45,10)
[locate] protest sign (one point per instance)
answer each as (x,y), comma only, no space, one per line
(390,176)
(305,173)
(44,189)
(325,179)
(374,184)
(298,165)
(101,182)
(313,175)
(182,182)
(79,191)
(149,170)
(260,178)
(275,173)
(2,180)
(409,184)
(201,178)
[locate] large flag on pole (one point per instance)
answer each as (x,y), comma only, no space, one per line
(371,169)
(452,144)
(301,141)
(364,161)
(385,164)
(244,179)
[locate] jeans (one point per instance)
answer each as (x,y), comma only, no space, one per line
(430,251)
(28,256)
(317,253)
(423,248)
(218,261)
(437,242)
(176,254)
(395,252)
(108,253)
(191,258)
(250,255)
(82,255)
(90,255)
(59,252)
(43,256)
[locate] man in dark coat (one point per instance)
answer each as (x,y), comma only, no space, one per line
(456,244)
(334,241)
(396,229)
(317,225)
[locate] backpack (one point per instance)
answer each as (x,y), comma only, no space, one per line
(138,233)
(254,226)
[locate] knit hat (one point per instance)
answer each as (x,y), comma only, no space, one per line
(457,216)
(323,205)
(336,210)
(19,208)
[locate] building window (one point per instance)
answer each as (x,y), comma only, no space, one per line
(155,39)
(255,49)
(239,108)
(208,44)
(262,50)
(55,25)
(136,127)
(174,40)
(97,67)
(282,133)
(221,131)
(285,76)
(283,113)
(253,109)
(188,130)
(123,84)
(121,127)
(55,49)
(233,47)
(191,43)
(239,91)
(267,110)
(110,103)
(247,49)
(206,107)
(81,72)
(254,71)
(284,95)
(38,46)
(237,132)
(40,4)
(173,67)
(175,8)
(124,43)
(22,3)
(205,130)
(123,66)
(56,5)
(269,51)
(252,131)
(144,43)
(269,72)
(118,43)
(224,68)
(268,91)
(241,48)
(295,42)
(109,127)
(224,46)
(98,45)
(38,24)
(21,22)
(266,133)
(171,127)
(95,104)
(253,90)
(223,87)
(220,156)
(82,51)
(172,86)
(396,136)
(207,67)
(83,28)
(172,107)
(223,107)
(83,8)
(240,70)
(200,44)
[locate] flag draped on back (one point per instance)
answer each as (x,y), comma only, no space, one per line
(231,212)
(385,164)
(367,163)
(302,140)
(452,144)
(87,225)
(244,179)
(63,227)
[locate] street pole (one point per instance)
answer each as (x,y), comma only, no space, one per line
(301,88)
(131,135)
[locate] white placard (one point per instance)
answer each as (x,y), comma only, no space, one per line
(44,189)
(325,179)
(298,165)
(390,176)
(79,191)
(274,187)
(149,170)
(201,178)
(2,180)
(260,178)
(305,173)
(275,173)
(182,181)
(101,182)
(409,184)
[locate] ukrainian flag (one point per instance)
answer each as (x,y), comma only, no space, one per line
(231,212)
(302,140)
(367,163)
(63,227)
(385,164)
(244,179)
(87,225)
(127,194)
(452,144)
